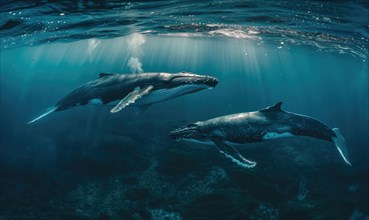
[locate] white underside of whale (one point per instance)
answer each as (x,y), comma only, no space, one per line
(156,96)
(245,163)
(161,95)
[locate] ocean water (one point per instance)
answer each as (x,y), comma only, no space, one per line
(86,163)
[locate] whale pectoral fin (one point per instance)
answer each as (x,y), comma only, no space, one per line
(231,153)
(340,143)
(49,111)
(131,98)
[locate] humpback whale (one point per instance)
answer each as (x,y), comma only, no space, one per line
(266,124)
(140,90)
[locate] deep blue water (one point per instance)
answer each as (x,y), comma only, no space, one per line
(86,163)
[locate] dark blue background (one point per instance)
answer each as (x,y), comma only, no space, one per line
(43,165)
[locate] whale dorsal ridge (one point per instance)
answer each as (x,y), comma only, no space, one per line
(105,74)
(274,108)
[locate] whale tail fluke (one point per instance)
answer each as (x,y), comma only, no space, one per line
(340,143)
(48,111)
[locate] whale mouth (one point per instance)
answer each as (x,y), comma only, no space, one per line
(211,82)
(182,135)
(187,132)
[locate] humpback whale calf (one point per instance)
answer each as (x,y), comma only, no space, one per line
(140,90)
(265,124)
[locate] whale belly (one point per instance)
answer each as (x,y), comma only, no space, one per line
(161,95)
(157,96)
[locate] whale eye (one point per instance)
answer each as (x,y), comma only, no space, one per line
(191,125)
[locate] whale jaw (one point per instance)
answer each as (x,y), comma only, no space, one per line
(164,94)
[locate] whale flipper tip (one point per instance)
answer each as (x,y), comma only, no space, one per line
(340,143)
(231,153)
(49,110)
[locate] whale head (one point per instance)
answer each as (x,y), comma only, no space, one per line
(193,82)
(191,132)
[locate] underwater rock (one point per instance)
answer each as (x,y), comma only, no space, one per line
(265,212)
(72,217)
(161,214)
(303,191)
(138,194)
(99,197)
(177,164)
(357,215)
(212,206)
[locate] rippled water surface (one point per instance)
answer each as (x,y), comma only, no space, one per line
(338,26)
(86,163)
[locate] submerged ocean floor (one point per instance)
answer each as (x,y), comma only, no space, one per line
(68,173)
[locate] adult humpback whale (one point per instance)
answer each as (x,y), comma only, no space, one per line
(265,124)
(141,90)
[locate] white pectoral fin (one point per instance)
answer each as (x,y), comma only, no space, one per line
(49,111)
(131,98)
(231,153)
(340,143)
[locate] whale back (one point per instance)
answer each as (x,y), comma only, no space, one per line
(106,74)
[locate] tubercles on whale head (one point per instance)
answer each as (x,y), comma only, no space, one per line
(189,132)
(183,83)
(187,78)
